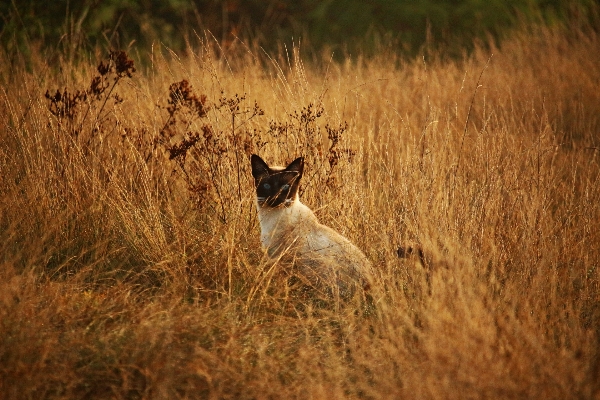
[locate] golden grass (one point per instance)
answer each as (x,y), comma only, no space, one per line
(122,276)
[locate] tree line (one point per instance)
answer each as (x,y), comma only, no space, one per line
(342,26)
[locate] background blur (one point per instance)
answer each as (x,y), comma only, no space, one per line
(345,27)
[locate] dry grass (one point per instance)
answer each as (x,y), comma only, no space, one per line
(127,274)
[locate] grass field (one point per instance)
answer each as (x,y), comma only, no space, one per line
(130,260)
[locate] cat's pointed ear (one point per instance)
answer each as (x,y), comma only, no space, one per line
(296,166)
(260,169)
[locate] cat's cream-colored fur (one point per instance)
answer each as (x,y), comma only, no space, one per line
(323,256)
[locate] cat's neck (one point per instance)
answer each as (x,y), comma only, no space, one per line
(275,221)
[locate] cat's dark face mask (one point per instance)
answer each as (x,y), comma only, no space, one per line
(276,186)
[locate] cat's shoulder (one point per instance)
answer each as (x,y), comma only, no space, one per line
(303,211)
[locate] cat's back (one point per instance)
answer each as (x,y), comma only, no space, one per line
(327,244)
(326,239)
(297,229)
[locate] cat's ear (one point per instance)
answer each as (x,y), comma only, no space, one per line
(260,169)
(296,166)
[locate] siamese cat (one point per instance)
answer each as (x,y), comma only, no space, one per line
(290,230)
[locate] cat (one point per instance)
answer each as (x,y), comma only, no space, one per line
(290,230)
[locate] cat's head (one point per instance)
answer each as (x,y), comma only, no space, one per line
(276,186)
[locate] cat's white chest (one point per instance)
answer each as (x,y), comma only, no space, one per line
(276,223)
(270,220)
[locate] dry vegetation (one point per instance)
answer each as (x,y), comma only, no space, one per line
(130,261)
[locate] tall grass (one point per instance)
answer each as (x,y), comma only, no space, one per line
(130,256)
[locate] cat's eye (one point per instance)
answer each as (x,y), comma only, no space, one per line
(266,186)
(285,187)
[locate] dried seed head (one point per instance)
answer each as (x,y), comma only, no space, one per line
(123,64)
(182,95)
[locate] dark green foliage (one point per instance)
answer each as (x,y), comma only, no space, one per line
(344,26)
